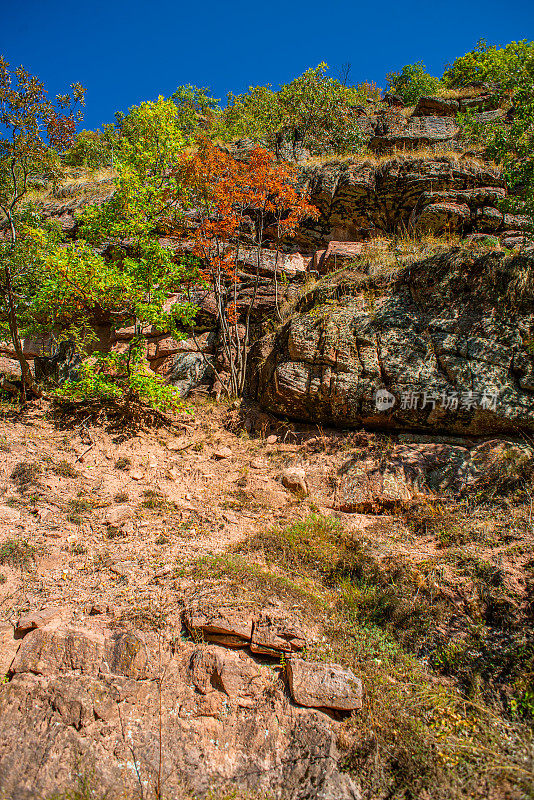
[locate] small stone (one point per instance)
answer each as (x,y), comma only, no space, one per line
(272,439)
(316,684)
(119,515)
(137,475)
(222,452)
(257,464)
(294,479)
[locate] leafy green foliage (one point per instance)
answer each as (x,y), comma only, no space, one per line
(503,65)
(314,111)
(196,108)
(412,82)
(32,128)
(92,149)
(119,378)
(513,146)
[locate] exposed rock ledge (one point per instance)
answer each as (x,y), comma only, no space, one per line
(448,341)
(90,700)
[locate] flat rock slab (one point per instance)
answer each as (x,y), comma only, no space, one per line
(39,619)
(272,636)
(316,684)
(230,627)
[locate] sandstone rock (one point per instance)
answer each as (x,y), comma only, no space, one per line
(336,256)
(222,452)
(238,675)
(39,619)
(231,627)
(126,654)
(429,106)
(401,132)
(9,515)
(440,217)
(323,685)
(9,367)
(166,346)
(185,370)
(369,483)
(272,636)
(215,669)
(46,651)
(294,479)
(358,200)
(8,648)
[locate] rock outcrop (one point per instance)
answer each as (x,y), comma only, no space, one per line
(113,707)
(445,346)
(360,199)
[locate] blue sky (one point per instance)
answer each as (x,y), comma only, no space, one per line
(126,52)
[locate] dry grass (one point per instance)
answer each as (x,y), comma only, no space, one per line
(397,154)
(84,183)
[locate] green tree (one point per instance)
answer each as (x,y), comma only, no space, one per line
(314,111)
(197,109)
(506,66)
(513,146)
(412,82)
(31,127)
(92,149)
(81,290)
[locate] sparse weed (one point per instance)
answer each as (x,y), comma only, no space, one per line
(65,470)
(17,553)
(121,497)
(25,473)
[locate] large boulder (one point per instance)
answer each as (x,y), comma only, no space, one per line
(444,347)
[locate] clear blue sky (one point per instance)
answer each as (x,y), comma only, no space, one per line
(125,52)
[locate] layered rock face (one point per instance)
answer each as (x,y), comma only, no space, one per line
(359,200)
(444,347)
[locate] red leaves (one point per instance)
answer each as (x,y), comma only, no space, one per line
(60,130)
(227,191)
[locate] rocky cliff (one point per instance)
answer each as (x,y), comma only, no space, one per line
(443,346)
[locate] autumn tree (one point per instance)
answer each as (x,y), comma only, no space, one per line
(80,289)
(32,130)
(237,204)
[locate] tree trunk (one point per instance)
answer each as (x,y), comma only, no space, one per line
(28,382)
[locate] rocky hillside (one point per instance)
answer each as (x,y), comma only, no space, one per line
(323,589)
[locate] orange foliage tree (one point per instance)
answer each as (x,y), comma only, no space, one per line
(239,205)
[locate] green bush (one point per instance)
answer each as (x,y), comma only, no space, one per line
(412,82)
(503,65)
(91,149)
(313,111)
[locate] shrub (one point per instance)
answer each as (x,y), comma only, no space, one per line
(17,553)
(65,470)
(503,65)
(91,149)
(25,473)
(412,82)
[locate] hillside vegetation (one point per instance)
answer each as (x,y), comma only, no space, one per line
(266,439)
